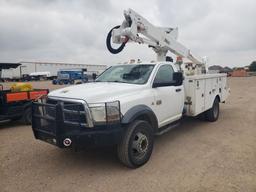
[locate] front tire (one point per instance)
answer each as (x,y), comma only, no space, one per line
(136,144)
(213,113)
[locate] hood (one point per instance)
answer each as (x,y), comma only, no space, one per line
(97,91)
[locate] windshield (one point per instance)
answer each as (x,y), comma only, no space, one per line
(134,74)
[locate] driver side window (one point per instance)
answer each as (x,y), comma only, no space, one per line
(164,74)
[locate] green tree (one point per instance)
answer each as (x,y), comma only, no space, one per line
(252,67)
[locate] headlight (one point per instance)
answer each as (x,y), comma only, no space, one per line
(104,113)
(98,113)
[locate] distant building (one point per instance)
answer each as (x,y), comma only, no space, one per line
(239,72)
(53,68)
(226,70)
(247,68)
(215,69)
(8,66)
(219,69)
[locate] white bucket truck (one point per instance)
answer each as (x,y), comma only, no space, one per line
(129,104)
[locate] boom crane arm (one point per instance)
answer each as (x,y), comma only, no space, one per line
(136,28)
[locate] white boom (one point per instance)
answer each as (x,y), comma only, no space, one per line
(161,39)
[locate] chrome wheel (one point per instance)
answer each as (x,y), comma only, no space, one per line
(140,145)
(136,144)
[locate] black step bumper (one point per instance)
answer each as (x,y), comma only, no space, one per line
(49,125)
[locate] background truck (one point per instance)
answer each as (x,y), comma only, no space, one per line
(129,104)
(69,76)
(42,75)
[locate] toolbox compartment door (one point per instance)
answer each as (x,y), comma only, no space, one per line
(199,98)
(201,90)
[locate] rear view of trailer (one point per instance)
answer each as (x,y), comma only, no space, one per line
(17,105)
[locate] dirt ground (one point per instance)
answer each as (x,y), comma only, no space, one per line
(197,156)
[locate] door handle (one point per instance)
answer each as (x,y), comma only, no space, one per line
(158,102)
(177,90)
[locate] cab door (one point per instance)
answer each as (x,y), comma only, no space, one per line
(168,99)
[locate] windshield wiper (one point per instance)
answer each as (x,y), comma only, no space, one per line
(116,81)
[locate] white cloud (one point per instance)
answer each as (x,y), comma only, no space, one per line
(75,30)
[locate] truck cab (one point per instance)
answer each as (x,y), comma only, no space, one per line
(150,85)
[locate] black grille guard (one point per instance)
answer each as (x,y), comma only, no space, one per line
(63,111)
(68,106)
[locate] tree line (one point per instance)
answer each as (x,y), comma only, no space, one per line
(252,66)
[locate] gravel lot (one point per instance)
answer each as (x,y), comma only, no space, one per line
(197,156)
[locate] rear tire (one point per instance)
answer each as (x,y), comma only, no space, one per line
(72,82)
(202,116)
(15,118)
(136,144)
(27,116)
(60,82)
(213,113)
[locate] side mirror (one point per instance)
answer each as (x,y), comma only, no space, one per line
(177,78)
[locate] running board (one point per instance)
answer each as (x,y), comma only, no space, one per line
(167,128)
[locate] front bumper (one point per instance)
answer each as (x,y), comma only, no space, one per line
(53,124)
